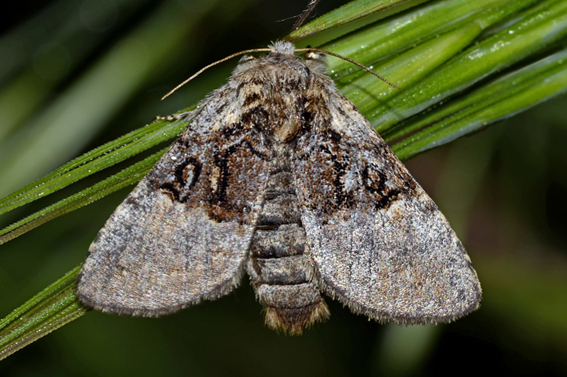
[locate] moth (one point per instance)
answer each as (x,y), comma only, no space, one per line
(279,176)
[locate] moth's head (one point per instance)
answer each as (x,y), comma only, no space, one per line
(282,55)
(282,47)
(282,52)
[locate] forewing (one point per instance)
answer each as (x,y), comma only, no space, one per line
(379,243)
(183,234)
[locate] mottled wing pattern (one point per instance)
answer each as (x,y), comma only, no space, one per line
(182,235)
(378,242)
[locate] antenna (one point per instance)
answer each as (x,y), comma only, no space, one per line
(212,65)
(307,49)
(311,49)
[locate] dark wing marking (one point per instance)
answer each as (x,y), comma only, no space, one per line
(183,234)
(379,243)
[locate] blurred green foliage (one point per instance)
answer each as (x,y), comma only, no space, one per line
(75,75)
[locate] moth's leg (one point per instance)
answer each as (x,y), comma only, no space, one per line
(171,118)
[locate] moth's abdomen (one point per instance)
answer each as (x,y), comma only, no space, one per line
(280,271)
(281,274)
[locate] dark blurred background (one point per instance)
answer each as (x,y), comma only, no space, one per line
(76,74)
